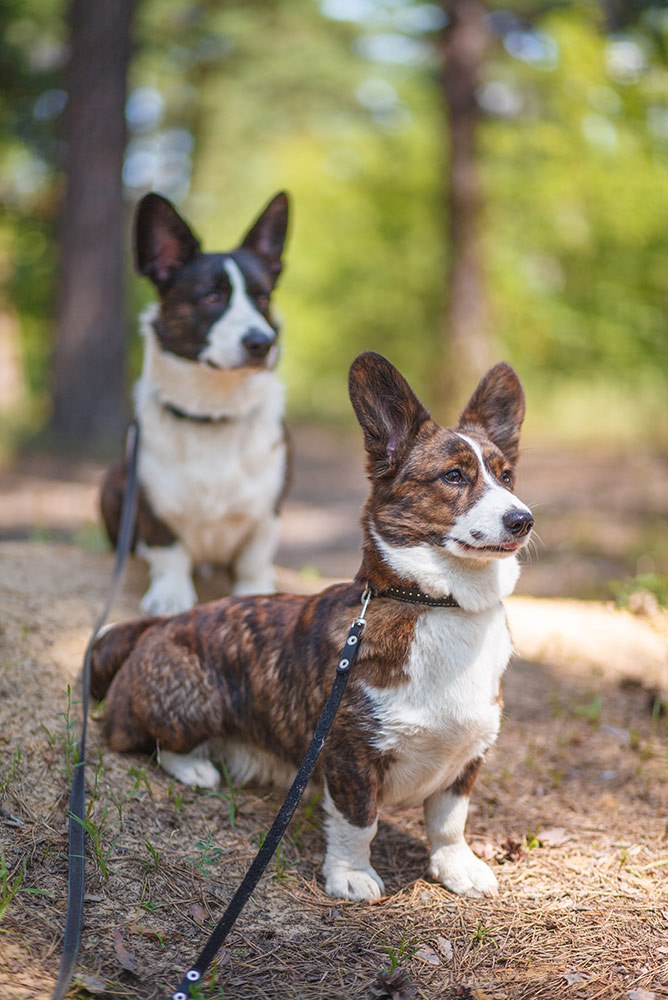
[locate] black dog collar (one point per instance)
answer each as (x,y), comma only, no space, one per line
(197,418)
(412,595)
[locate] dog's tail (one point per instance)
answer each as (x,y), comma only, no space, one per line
(112,647)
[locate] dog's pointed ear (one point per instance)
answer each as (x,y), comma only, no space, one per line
(266,237)
(162,241)
(388,411)
(497,409)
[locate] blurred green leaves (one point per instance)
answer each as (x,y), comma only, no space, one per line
(251,98)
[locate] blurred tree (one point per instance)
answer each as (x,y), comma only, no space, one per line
(467,349)
(89,350)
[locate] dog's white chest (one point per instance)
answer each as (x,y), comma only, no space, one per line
(212,483)
(448,711)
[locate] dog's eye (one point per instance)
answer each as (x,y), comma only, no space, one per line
(507,477)
(262,301)
(213,298)
(453,476)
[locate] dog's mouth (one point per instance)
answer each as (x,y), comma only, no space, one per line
(504,549)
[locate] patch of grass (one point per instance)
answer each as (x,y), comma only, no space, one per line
(94,831)
(230,796)
(655,584)
(8,891)
(141,782)
(590,711)
(484,934)
(404,951)
(154,859)
(176,797)
(280,861)
(68,738)
(208,854)
(11,774)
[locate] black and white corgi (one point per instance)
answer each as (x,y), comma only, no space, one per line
(213,455)
(247,677)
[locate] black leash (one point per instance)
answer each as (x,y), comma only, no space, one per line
(286,812)
(75,889)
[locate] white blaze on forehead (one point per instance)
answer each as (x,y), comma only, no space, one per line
(224,345)
(477,451)
(482,524)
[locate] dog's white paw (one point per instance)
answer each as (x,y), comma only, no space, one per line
(190,768)
(353,883)
(169,595)
(457,868)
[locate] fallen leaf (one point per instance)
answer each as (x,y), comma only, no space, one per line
(125,957)
(198,913)
(512,850)
(641,995)
(575,977)
(554,836)
(445,948)
(91,983)
(427,954)
(483,848)
(160,934)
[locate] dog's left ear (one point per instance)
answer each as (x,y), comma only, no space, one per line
(497,408)
(389,412)
(266,236)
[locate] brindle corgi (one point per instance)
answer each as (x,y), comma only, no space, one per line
(247,677)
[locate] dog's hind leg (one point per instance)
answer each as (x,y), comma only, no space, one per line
(192,768)
(164,697)
(112,647)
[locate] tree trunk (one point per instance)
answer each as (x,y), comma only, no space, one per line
(89,351)
(467,347)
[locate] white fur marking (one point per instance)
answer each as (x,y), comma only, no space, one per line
(347,867)
(191,768)
(452,862)
(485,517)
(224,346)
(171,589)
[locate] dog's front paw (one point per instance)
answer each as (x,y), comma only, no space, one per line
(169,595)
(353,883)
(457,868)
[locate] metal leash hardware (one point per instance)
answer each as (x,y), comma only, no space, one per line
(286,812)
(77,832)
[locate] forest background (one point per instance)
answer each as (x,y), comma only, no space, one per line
(457,198)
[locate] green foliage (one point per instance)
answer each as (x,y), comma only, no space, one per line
(652,583)
(255,97)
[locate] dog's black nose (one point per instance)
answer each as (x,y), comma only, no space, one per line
(257,344)
(518,522)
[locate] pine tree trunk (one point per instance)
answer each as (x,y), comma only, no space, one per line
(467,347)
(89,350)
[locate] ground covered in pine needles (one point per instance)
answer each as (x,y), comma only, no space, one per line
(571,811)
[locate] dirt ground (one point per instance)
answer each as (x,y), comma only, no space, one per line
(571,808)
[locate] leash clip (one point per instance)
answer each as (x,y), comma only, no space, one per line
(366,597)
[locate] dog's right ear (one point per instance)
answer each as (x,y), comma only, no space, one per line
(389,412)
(162,241)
